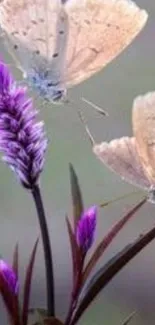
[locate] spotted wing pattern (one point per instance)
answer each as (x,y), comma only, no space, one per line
(35,32)
(98,31)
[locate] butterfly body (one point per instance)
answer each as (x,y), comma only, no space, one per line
(58,44)
(46,88)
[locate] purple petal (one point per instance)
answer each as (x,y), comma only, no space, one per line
(9,276)
(22,138)
(86,229)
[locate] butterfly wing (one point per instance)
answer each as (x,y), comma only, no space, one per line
(98,31)
(121,156)
(35,32)
(73,39)
(143,116)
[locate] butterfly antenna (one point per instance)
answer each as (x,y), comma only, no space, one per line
(97,108)
(82,119)
(129,318)
(104,204)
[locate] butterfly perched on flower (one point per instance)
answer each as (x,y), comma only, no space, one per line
(58,44)
(133,158)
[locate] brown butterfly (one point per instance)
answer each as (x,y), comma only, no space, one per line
(133,158)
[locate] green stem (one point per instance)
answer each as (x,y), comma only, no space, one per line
(47,250)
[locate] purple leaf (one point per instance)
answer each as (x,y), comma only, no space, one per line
(27,284)
(109,270)
(77,200)
(76,254)
(106,241)
(15,260)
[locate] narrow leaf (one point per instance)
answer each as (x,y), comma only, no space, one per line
(77,200)
(15,260)
(106,241)
(27,284)
(107,272)
(102,270)
(15,266)
(76,256)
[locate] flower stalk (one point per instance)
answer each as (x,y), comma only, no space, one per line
(23,144)
(47,250)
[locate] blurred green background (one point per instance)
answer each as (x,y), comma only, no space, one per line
(114,89)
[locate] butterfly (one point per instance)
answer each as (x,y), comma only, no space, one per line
(60,43)
(133,158)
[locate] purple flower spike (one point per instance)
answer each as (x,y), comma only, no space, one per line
(22,139)
(86,229)
(9,277)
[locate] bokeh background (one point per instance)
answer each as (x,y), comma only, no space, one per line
(114,89)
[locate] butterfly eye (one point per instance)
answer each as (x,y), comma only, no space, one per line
(55,55)
(37,52)
(58,95)
(50,84)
